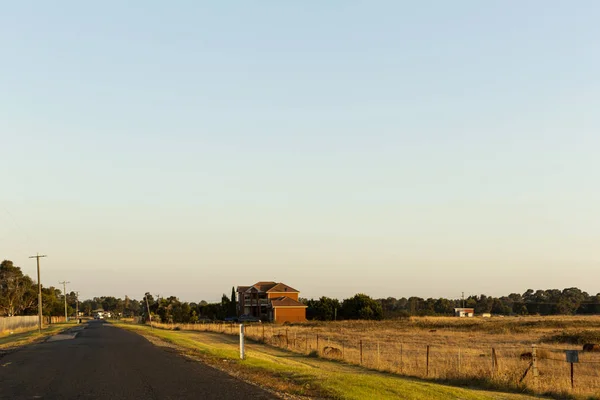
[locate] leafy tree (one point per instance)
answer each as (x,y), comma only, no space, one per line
(323,309)
(17,292)
(225,307)
(361,306)
(53,302)
(443,307)
(232,304)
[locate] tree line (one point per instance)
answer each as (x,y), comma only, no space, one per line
(569,301)
(18,296)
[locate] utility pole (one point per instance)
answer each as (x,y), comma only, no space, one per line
(149,315)
(64,283)
(463,299)
(77,306)
(38,256)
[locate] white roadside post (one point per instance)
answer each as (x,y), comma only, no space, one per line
(242,350)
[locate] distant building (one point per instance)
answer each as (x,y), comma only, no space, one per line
(270,301)
(464,312)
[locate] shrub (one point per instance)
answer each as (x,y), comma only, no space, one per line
(574,337)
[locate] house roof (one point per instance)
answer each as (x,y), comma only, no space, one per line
(242,288)
(282,287)
(285,301)
(264,286)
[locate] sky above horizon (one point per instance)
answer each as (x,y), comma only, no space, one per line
(391,148)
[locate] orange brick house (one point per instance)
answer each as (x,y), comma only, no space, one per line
(271,301)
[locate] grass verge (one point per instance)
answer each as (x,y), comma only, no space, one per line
(18,339)
(299,375)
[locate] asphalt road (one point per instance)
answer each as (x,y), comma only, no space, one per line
(105,362)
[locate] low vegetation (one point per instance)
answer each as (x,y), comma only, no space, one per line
(17,339)
(574,337)
(281,370)
(489,353)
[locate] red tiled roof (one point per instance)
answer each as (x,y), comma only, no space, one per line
(242,288)
(286,302)
(264,286)
(281,288)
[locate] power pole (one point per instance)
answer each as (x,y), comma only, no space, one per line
(77,306)
(149,315)
(463,299)
(38,256)
(64,283)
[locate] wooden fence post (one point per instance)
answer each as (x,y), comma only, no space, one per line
(287,340)
(401,358)
(306,343)
(361,358)
(427,363)
(534,363)
(494,362)
(459,361)
(572,381)
(318,352)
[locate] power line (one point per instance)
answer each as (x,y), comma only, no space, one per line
(18,227)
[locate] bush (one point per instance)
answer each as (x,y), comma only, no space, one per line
(574,337)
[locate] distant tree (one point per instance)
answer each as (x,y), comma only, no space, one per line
(414,305)
(427,307)
(443,307)
(225,307)
(523,310)
(233,312)
(194,317)
(53,302)
(570,301)
(323,309)
(17,292)
(483,304)
(361,306)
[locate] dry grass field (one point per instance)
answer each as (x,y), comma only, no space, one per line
(491,352)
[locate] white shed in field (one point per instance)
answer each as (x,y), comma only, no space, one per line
(464,312)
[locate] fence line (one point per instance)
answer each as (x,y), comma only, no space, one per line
(505,366)
(23,322)
(8,324)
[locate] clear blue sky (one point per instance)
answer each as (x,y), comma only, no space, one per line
(392,148)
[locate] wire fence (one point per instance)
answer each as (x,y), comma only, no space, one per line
(542,369)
